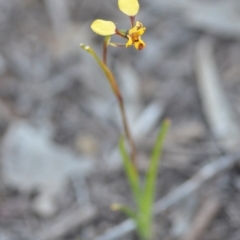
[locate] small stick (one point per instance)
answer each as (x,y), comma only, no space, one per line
(203,219)
(67,222)
(218,111)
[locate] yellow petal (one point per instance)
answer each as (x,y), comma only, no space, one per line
(129,42)
(103,27)
(141,31)
(129,7)
(140,28)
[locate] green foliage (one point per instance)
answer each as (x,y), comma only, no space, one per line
(143,194)
(131,172)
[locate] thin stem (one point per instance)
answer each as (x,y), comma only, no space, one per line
(127,131)
(122,111)
(104,54)
(105,45)
(132,19)
(113,83)
(119,33)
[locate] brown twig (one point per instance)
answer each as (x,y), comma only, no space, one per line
(220,115)
(66,223)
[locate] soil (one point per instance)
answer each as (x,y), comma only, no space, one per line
(46,79)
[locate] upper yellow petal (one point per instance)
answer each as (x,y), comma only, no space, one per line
(129,7)
(139,28)
(103,27)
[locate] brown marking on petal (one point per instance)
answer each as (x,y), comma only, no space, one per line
(140,46)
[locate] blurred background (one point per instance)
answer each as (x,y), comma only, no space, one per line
(59,121)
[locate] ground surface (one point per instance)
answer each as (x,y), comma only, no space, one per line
(50,84)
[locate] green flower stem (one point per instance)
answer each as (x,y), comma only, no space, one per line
(116,91)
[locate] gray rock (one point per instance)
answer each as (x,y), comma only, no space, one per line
(31,161)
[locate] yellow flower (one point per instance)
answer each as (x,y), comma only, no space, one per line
(134,36)
(107,28)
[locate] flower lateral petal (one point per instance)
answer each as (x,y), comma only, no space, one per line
(129,7)
(103,27)
(129,42)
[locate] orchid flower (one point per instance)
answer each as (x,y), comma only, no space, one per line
(133,35)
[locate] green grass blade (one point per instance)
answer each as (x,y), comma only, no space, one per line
(148,192)
(151,175)
(124,209)
(130,171)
